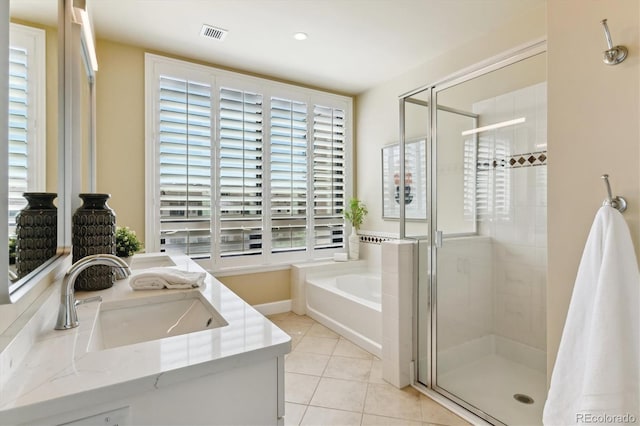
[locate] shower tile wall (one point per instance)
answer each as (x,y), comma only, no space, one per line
(465,302)
(516,219)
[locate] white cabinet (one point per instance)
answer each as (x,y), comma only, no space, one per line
(245,395)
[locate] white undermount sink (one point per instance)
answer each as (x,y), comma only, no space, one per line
(125,322)
(151,261)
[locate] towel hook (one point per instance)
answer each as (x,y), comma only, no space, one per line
(615,54)
(616,202)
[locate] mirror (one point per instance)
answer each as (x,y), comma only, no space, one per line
(33,136)
(415,183)
(70,127)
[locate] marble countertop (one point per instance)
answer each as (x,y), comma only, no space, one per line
(45,370)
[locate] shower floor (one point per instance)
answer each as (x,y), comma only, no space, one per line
(490,383)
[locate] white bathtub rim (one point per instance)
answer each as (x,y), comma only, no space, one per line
(356,338)
(332,272)
(325,282)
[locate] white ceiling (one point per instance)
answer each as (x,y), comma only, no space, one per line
(352,45)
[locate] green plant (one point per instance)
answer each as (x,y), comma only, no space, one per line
(127,242)
(355,212)
(13,241)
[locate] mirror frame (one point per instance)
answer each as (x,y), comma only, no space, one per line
(72,45)
(4,145)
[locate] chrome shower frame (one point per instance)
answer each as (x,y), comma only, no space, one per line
(430,385)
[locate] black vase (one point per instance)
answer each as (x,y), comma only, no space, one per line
(94,232)
(36,231)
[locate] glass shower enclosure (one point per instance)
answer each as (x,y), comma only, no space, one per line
(480,332)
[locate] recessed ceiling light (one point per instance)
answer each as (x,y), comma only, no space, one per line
(300,36)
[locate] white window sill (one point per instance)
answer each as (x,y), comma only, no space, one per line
(256,269)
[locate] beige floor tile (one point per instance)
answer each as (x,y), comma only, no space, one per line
(293,328)
(348,368)
(371,420)
(386,400)
(293,413)
(290,316)
(376,372)
(317,345)
(348,349)
(319,330)
(280,316)
(295,340)
(301,318)
(432,412)
(318,416)
(340,394)
(299,388)
(305,363)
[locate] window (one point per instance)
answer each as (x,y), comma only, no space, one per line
(27,121)
(242,170)
(328,176)
(184,141)
(289,146)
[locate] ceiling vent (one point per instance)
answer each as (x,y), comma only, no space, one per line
(214,33)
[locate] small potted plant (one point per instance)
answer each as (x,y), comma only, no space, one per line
(127,242)
(355,213)
(13,241)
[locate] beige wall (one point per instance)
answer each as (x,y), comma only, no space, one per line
(120,131)
(259,288)
(592,130)
(52,109)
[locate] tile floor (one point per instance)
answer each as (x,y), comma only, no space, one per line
(329,381)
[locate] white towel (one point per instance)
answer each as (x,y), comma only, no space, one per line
(159,278)
(596,376)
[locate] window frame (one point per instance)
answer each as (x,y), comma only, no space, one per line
(33,40)
(156,65)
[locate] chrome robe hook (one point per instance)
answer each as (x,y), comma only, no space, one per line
(616,202)
(615,54)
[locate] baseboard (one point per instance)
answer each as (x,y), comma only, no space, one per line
(274,307)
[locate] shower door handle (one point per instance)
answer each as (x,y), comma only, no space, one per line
(438,239)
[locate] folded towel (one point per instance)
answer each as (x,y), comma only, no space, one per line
(159,278)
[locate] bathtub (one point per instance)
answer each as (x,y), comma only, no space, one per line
(348,304)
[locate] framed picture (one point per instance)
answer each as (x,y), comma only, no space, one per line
(415,183)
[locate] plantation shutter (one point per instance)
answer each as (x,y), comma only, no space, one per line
(502,181)
(185,166)
(484,179)
(471,173)
(493,191)
(18,131)
(288,175)
(328,176)
(240,159)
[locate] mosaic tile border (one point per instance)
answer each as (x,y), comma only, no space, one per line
(374,239)
(529,159)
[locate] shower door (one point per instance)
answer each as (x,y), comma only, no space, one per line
(487,259)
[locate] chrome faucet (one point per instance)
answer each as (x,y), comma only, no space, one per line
(67,315)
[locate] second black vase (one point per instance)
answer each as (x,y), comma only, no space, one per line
(94,232)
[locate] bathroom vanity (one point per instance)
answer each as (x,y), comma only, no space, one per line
(229,370)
